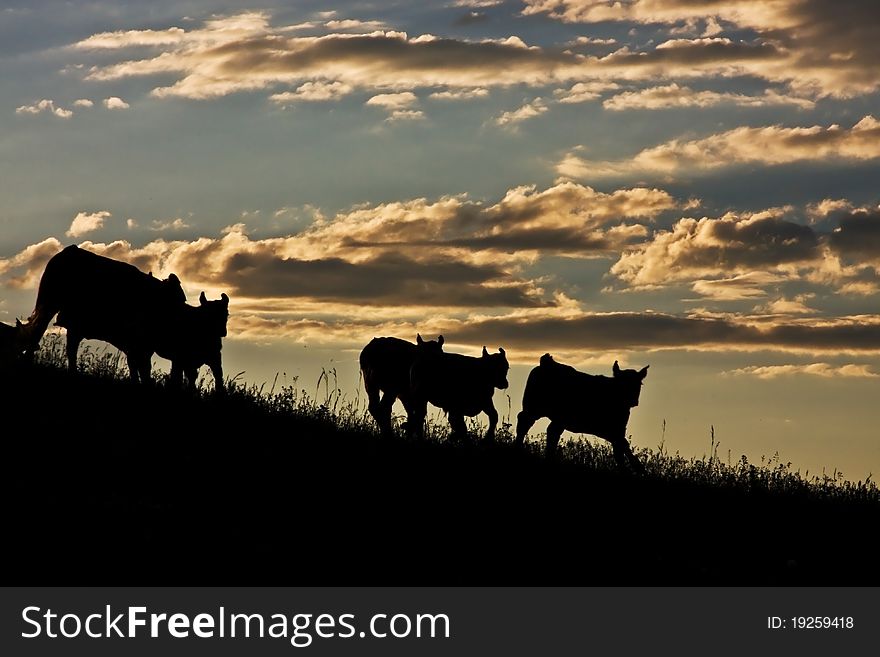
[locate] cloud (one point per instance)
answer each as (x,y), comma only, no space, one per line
(398,105)
(732,244)
(736,288)
(244,53)
(460,94)
(813,369)
(567,219)
(158,225)
(83,102)
(584,91)
(737,256)
(45,105)
(23,270)
(770,145)
(450,253)
(405,115)
(355,24)
(594,41)
(827,207)
(857,236)
(317,91)
(784,306)
(86,222)
(472,18)
(115,103)
(826,48)
(538,330)
(528,111)
(392,102)
(675,96)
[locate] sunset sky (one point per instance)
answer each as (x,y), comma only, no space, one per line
(690,184)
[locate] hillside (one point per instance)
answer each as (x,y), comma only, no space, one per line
(114,483)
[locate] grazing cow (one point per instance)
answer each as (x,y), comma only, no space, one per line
(460,385)
(192,337)
(104,299)
(385,364)
(581,403)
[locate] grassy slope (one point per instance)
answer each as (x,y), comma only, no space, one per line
(115,484)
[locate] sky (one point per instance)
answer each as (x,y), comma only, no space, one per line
(686,184)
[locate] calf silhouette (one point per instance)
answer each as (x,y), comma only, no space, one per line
(192,337)
(385,364)
(460,385)
(581,403)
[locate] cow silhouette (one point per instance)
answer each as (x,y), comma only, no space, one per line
(99,298)
(385,364)
(460,385)
(193,337)
(581,403)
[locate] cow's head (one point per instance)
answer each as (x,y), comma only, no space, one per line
(429,347)
(498,367)
(13,341)
(215,313)
(172,290)
(631,383)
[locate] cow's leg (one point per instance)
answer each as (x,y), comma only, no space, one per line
(133,366)
(459,428)
(493,421)
(192,375)
(411,408)
(175,377)
(374,400)
(145,367)
(216,366)
(416,413)
(524,422)
(73,340)
(554,433)
(623,454)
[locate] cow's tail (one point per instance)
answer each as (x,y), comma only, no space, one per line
(368,372)
(48,301)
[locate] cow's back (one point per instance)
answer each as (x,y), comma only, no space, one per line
(454,382)
(581,402)
(388,361)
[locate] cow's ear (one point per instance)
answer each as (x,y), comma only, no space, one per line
(224,298)
(485,353)
(440,340)
(202,298)
(17,323)
(616,369)
(501,350)
(419,339)
(644,371)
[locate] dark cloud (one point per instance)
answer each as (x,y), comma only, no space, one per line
(386,279)
(857,235)
(625,331)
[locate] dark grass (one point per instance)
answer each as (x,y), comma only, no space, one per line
(114,483)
